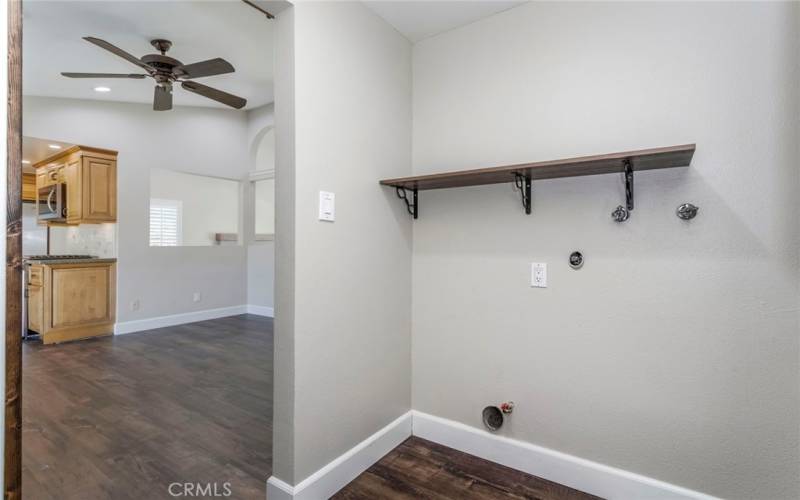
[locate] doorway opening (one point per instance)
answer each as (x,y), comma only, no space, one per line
(173,388)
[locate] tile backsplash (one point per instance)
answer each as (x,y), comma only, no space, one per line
(91,239)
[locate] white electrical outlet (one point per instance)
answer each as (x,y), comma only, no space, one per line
(135,305)
(197,297)
(327,206)
(539,275)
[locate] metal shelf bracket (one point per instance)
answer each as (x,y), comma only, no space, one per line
(621,214)
(523,183)
(628,183)
(411,206)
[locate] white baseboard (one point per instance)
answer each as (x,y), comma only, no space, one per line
(334,476)
(261,310)
(585,475)
(278,490)
(177,319)
(591,477)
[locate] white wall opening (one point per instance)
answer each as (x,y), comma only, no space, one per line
(193,210)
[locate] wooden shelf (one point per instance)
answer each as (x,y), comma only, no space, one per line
(523,174)
(644,159)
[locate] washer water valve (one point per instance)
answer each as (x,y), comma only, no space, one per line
(493,416)
(686,211)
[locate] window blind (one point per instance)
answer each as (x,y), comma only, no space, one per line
(165,223)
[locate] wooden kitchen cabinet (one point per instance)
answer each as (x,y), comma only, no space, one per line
(35,308)
(35,298)
(99,195)
(90,175)
(28,187)
(50,174)
(68,301)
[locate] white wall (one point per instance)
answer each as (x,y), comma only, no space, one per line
(265,154)
(258,120)
(283,404)
(261,275)
(199,140)
(349,335)
(209,205)
(674,351)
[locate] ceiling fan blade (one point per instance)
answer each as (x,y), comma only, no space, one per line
(118,51)
(217,95)
(102,75)
(162,99)
(217,66)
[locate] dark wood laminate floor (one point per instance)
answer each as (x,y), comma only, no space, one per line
(123,417)
(421,469)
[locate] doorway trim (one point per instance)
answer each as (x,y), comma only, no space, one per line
(12,473)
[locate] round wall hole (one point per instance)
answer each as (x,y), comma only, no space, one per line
(492,418)
(576,260)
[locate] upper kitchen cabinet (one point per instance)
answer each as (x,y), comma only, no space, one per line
(78,185)
(29,187)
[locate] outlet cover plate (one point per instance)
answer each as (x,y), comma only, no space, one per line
(327,206)
(539,275)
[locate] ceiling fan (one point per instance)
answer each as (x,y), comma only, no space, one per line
(166,71)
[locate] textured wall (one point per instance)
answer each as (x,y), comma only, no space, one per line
(352,286)
(674,351)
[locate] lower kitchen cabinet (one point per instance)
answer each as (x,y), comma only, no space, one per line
(68,301)
(35,308)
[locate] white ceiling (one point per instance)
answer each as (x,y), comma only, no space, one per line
(417,20)
(35,150)
(199,30)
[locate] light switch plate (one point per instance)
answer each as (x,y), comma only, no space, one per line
(539,275)
(327,206)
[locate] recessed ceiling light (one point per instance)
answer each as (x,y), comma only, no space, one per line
(102,89)
(26,162)
(54,146)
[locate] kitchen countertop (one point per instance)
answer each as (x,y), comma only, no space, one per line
(50,262)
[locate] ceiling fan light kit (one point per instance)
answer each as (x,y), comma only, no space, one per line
(166,71)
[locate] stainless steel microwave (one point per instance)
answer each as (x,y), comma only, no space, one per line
(53,202)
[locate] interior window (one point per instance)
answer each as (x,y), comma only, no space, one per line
(193,210)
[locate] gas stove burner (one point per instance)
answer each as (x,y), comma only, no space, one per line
(58,257)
